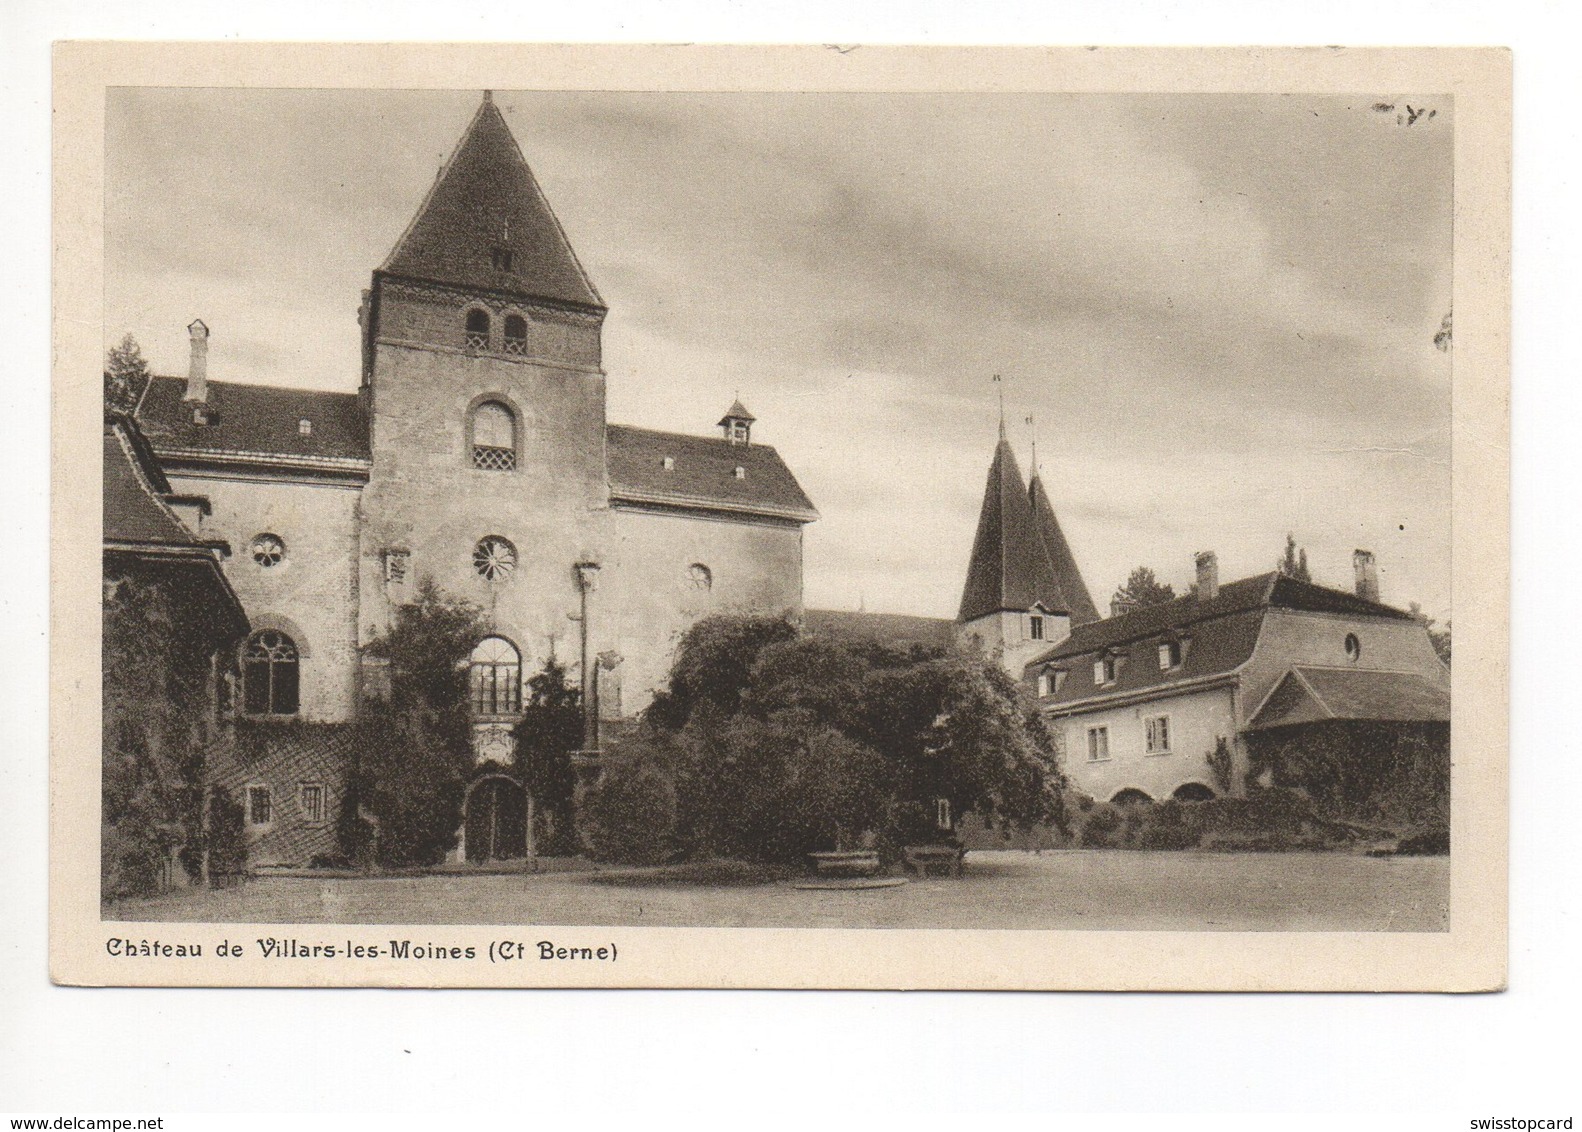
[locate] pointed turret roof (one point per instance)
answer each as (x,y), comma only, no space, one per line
(1010,569)
(737,412)
(486,202)
(1061,560)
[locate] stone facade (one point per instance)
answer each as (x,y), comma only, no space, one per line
(476,456)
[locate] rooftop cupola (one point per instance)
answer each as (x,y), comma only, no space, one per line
(738,424)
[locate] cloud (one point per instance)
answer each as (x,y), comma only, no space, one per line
(1220,308)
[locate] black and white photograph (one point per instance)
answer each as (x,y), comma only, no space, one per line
(878,511)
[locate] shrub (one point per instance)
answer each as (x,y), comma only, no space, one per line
(630,817)
(226,836)
(1102,827)
(1168,826)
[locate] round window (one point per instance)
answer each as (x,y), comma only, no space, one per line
(1353,647)
(268,550)
(494,558)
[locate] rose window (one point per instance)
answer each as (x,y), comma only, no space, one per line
(268,550)
(494,558)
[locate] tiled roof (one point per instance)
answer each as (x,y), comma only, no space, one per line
(1009,568)
(885,628)
(134,511)
(1257,592)
(1314,695)
(702,474)
(1217,636)
(486,200)
(255,418)
(1067,575)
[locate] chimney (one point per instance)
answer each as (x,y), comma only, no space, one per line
(1121,606)
(1207,575)
(198,367)
(1367,572)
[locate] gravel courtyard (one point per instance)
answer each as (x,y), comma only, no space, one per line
(1088,889)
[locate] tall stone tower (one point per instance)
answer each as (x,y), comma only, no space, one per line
(486,407)
(1023,591)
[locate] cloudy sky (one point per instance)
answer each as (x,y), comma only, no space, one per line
(1219,309)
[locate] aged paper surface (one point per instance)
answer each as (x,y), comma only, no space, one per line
(984,947)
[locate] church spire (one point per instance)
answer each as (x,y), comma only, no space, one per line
(1009,569)
(485,224)
(1064,564)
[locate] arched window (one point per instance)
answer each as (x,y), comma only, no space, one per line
(270,672)
(515,334)
(477,337)
(496,677)
(493,438)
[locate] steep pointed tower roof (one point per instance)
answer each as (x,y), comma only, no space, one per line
(1063,562)
(486,225)
(1009,570)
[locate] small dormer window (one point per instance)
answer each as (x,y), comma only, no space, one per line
(304,427)
(1035,626)
(669,463)
(1105,669)
(1050,681)
(500,258)
(1169,655)
(1353,648)
(741,472)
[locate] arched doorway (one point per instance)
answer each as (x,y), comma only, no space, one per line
(496,821)
(1193,792)
(1131,796)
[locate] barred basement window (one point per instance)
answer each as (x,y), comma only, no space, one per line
(496,677)
(270,664)
(477,335)
(260,808)
(515,334)
(493,438)
(494,558)
(311,798)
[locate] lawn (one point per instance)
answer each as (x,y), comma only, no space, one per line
(1088,889)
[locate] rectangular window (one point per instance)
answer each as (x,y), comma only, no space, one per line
(1104,671)
(1035,627)
(1169,655)
(1158,734)
(1045,682)
(1098,744)
(259,810)
(312,799)
(942,812)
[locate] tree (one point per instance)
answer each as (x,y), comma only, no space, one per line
(1142,588)
(1294,564)
(1439,638)
(794,744)
(549,730)
(125,376)
(415,755)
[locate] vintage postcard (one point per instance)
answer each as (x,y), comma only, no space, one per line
(835,516)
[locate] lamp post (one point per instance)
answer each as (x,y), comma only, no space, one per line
(587,581)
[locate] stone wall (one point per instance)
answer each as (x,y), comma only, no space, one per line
(651,595)
(1197,720)
(311,593)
